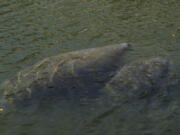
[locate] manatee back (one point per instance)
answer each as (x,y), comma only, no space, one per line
(77,74)
(143,79)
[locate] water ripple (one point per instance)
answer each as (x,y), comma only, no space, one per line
(31,30)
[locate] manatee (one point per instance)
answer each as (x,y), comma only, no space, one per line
(142,79)
(73,75)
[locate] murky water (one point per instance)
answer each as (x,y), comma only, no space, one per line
(31,30)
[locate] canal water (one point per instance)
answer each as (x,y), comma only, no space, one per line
(31,30)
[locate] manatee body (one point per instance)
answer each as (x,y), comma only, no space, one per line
(75,75)
(143,79)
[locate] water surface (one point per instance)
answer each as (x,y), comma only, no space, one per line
(31,30)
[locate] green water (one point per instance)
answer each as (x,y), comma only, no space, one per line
(31,30)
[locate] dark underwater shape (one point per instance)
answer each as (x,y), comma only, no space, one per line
(143,79)
(76,75)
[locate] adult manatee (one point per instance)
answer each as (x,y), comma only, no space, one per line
(74,75)
(143,79)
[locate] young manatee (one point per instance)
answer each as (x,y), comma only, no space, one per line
(142,79)
(72,75)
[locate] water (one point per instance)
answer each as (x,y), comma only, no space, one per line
(31,30)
